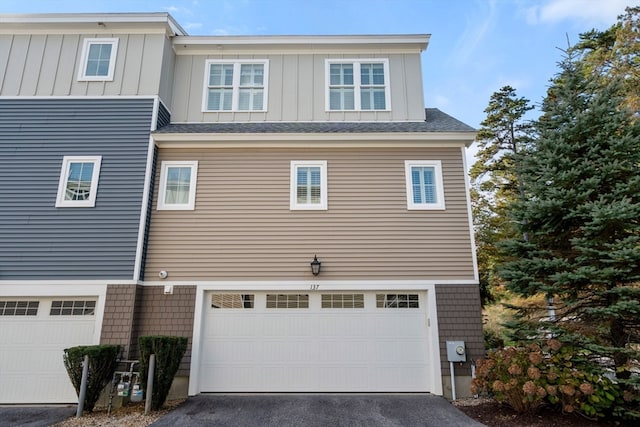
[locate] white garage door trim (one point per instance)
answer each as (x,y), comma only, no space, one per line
(309,366)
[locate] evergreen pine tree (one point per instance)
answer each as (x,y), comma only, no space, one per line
(503,137)
(581,213)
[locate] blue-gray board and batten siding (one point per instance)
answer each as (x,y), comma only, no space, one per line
(41,242)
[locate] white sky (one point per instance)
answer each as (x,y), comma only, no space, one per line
(476,47)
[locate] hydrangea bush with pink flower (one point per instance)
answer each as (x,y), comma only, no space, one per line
(547,373)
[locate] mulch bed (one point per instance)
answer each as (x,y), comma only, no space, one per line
(494,414)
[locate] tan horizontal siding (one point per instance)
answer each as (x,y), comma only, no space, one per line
(242,227)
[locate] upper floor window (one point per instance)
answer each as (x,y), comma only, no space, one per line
(78,181)
(359,85)
(309,184)
(98,59)
(425,189)
(236,85)
(178,185)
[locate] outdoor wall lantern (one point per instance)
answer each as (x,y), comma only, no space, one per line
(315,266)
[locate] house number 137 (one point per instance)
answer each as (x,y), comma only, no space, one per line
(314,287)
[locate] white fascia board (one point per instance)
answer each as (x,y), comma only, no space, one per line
(379,39)
(60,284)
(79,97)
(65,18)
(332,44)
(72,22)
(313,285)
(276,140)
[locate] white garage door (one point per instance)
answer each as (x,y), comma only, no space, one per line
(34,332)
(315,342)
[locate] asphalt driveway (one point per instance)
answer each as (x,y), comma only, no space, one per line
(34,416)
(316,410)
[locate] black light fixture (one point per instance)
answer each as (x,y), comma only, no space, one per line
(315,266)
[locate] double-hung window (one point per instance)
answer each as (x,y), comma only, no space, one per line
(359,85)
(308,185)
(98,59)
(236,85)
(178,185)
(78,181)
(425,189)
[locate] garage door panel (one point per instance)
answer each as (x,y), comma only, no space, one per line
(40,390)
(344,352)
(390,351)
(399,378)
(31,360)
(354,378)
(368,348)
(236,325)
(344,325)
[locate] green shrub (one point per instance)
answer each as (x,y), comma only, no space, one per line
(492,339)
(102,365)
(169,351)
(547,373)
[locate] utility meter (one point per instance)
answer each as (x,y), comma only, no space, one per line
(456,351)
(123,389)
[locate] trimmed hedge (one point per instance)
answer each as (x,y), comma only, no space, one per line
(102,364)
(169,351)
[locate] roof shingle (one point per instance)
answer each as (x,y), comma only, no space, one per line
(435,121)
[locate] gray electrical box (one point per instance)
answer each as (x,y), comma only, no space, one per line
(456,351)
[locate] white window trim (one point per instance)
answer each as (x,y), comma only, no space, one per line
(356,82)
(64,176)
(85,56)
(191,204)
(437,166)
(236,84)
(294,205)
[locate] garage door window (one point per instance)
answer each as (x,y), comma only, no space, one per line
(19,308)
(73,308)
(287,300)
(232,300)
(342,300)
(397,301)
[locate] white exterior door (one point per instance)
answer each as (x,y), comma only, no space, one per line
(315,342)
(34,332)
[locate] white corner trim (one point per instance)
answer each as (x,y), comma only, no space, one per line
(154,113)
(146,195)
(467,185)
(196,340)
(434,341)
